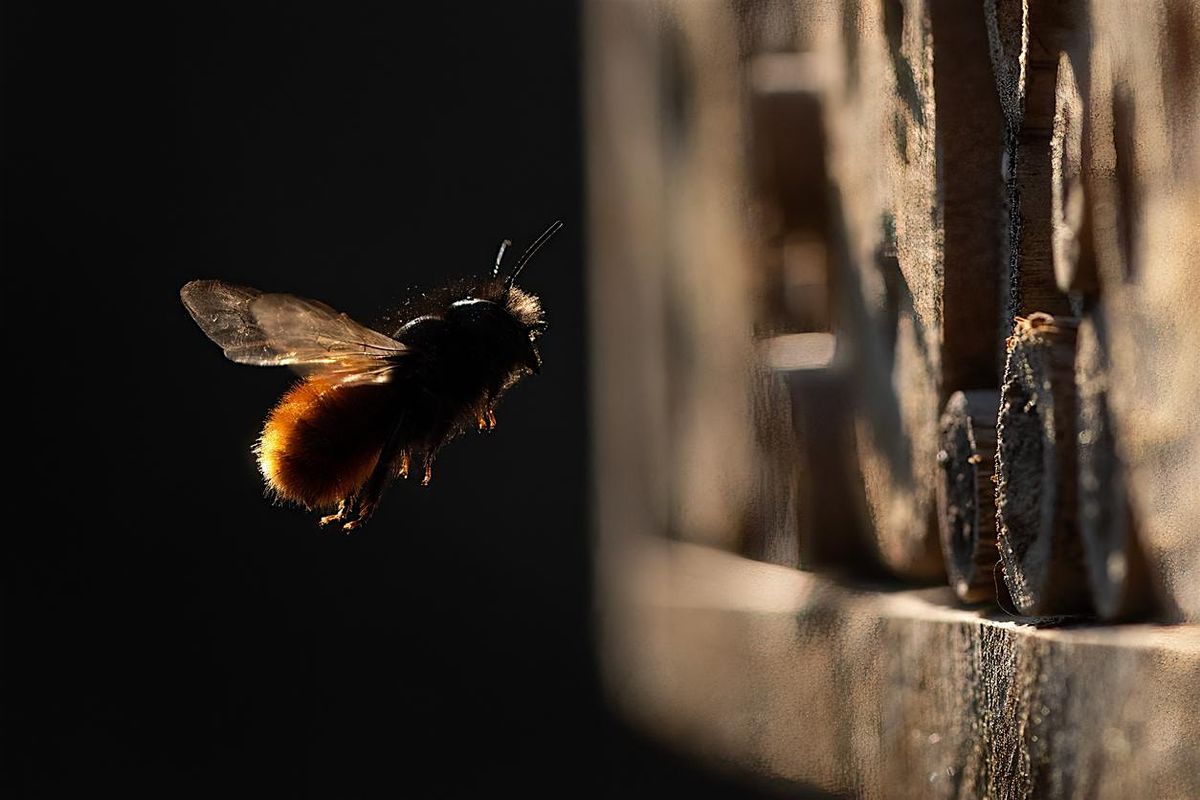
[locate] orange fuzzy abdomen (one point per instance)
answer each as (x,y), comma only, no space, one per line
(322,440)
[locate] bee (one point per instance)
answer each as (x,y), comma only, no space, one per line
(374,406)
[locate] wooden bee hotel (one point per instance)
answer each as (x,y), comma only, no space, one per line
(896,326)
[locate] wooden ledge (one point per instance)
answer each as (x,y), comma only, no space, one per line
(894,693)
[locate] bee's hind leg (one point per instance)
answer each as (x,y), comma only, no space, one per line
(360,508)
(343,510)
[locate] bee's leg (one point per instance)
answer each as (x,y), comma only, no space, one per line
(342,512)
(433,445)
(428,470)
(485,419)
(363,505)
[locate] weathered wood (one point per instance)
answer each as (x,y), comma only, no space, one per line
(1143,114)
(1030,264)
(1026,38)
(1036,489)
(672,279)
(966,495)
(970,141)
(767,527)
(898,694)
(832,519)
(875,691)
(886,327)
(788,171)
(895,441)
(914,142)
(1006,34)
(788,153)
(1116,566)
(1074,255)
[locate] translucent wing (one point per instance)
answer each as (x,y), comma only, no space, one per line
(284,330)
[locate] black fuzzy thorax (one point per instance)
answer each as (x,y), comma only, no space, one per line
(469,345)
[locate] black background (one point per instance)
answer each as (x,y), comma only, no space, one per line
(167,631)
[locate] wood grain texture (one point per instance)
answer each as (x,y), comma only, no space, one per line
(915,135)
(1027,38)
(1036,483)
(1116,565)
(899,694)
(1143,114)
(833,523)
(966,496)
(884,691)
(1074,254)
(690,422)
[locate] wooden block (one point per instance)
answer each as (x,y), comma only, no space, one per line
(1143,114)
(1116,565)
(831,513)
(1074,255)
(915,136)
(896,694)
(895,438)
(679,398)
(1035,470)
(966,496)
(787,161)
(788,138)
(1006,34)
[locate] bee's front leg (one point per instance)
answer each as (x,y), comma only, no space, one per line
(485,419)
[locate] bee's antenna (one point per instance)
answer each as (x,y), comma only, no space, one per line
(507,243)
(532,250)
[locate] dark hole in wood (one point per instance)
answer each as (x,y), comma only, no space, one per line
(1126,175)
(676,89)
(1183,51)
(850,16)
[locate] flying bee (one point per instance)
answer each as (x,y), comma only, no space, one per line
(372,406)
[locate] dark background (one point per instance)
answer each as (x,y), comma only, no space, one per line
(167,631)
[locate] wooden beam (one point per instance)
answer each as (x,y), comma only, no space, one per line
(893,694)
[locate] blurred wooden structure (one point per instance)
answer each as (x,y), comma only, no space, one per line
(812,223)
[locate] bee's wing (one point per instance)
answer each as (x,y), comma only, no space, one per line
(284,330)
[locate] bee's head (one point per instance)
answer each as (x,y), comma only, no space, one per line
(508,318)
